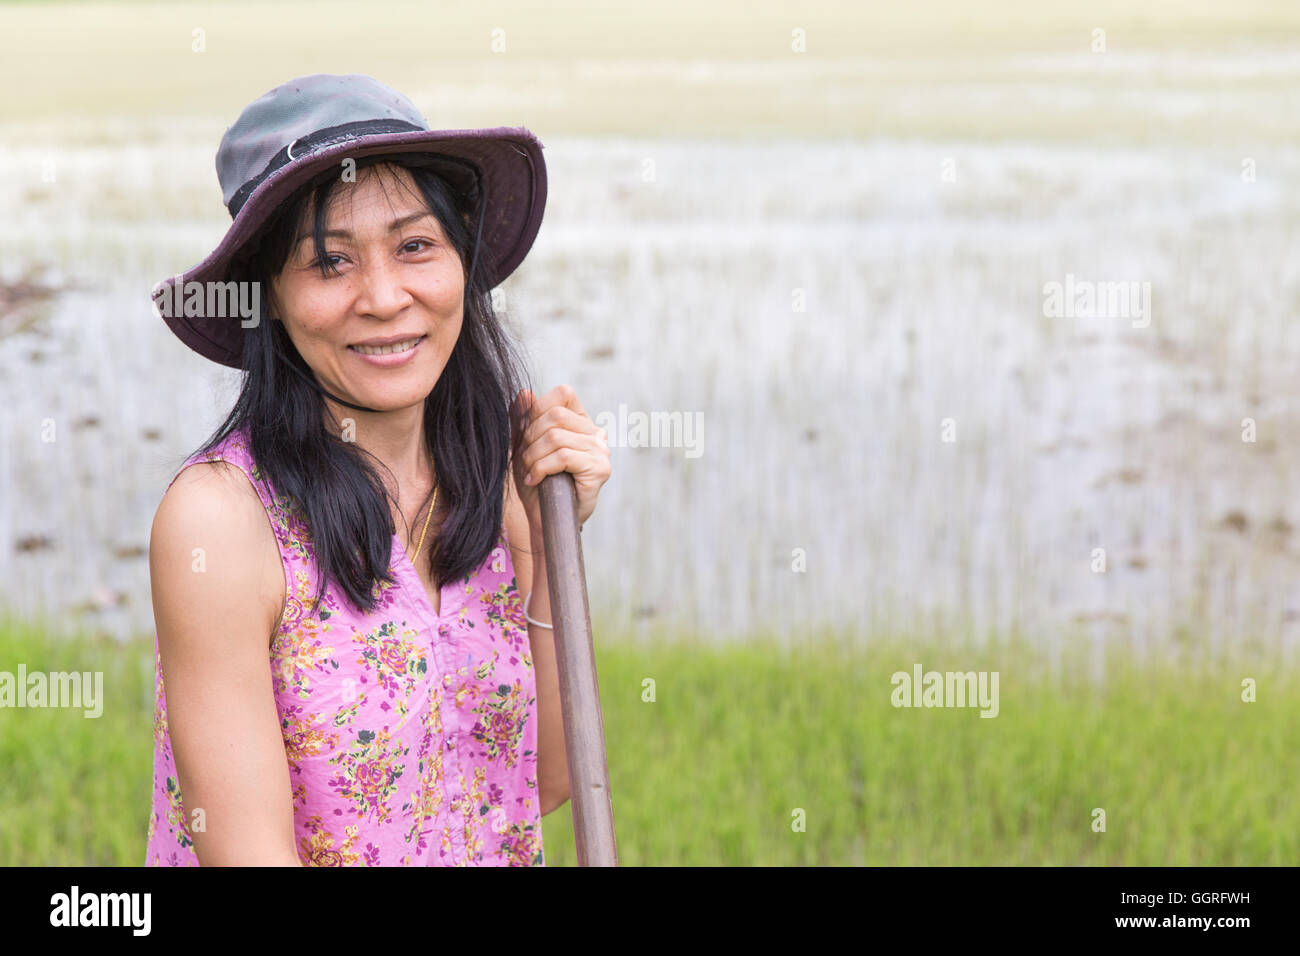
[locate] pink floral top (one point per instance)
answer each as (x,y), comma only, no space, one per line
(411,736)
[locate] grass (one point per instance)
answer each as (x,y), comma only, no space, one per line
(75,789)
(737,739)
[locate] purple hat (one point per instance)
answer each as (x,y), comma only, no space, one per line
(307,125)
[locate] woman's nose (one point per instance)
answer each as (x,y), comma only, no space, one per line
(383,293)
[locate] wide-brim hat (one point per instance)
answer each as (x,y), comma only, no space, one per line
(293,133)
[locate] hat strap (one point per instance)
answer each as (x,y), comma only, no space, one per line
(314,384)
(478,235)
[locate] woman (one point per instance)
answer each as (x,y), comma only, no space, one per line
(348,671)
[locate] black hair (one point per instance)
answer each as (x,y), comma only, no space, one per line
(333,484)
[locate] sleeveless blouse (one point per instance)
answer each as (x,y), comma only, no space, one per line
(411,737)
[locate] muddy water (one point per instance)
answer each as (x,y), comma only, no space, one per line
(898,433)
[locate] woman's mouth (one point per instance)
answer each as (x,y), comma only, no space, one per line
(386,356)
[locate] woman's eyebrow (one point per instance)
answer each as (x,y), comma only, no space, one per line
(392,227)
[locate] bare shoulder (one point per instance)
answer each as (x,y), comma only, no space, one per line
(211,500)
(212,552)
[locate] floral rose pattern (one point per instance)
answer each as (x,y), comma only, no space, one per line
(410,736)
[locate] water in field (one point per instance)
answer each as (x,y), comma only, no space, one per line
(893,434)
(894,429)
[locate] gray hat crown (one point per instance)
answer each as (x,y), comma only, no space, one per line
(297,109)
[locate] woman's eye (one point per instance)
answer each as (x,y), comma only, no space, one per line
(326,260)
(417,243)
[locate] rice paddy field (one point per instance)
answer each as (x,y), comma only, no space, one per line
(826,239)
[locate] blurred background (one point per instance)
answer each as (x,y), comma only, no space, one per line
(822,235)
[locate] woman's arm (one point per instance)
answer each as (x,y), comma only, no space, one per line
(215,611)
(530,575)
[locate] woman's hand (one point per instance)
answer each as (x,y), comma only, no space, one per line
(557,436)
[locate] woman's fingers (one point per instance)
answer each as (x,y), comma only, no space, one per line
(559,436)
(559,449)
(559,419)
(559,406)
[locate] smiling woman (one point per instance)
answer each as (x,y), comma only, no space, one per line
(367,262)
(328,691)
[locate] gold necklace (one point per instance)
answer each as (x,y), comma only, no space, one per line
(426,520)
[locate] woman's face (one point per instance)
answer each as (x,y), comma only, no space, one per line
(398,279)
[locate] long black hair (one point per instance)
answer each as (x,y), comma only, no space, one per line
(333,484)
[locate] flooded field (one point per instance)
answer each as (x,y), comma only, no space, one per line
(896,429)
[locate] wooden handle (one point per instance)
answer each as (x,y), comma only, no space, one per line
(584,725)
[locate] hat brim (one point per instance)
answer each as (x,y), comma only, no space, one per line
(512,173)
